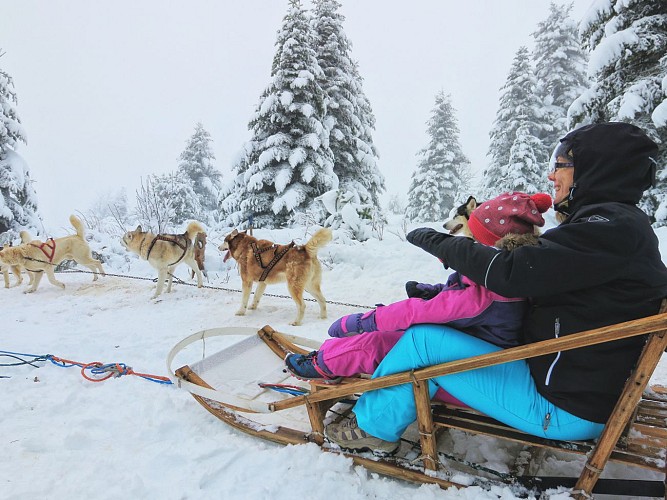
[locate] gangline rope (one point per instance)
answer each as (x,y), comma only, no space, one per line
(210,287)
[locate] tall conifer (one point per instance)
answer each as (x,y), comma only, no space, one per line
(349,115)
(288,162)
(18,200)
(437,184)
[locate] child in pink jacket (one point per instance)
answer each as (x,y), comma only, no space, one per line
(507,221)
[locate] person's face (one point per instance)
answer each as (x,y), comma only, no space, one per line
(563,178)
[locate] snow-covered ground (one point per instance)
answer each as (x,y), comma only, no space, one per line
(65,437)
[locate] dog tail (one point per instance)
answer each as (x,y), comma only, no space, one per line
(78,225)
(319,239)
(193,228)
(26,237)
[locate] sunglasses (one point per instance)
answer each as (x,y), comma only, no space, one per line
(562,164)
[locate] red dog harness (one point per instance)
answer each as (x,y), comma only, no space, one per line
(48,248)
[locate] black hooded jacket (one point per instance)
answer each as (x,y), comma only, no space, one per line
(599,267)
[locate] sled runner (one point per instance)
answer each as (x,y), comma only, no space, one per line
(228,385)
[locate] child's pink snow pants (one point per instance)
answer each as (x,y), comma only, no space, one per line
(350,356)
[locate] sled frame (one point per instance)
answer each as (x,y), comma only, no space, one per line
(635,413)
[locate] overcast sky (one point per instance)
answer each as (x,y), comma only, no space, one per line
(109,92)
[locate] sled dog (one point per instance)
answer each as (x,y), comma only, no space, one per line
(265,262)
(26,237)
(165,252)
(16,271)
(41,257)
(458,223)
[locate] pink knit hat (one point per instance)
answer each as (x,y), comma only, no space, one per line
(508,213)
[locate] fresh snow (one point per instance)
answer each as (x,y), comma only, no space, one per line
(66,437)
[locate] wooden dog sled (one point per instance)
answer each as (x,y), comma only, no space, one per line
(635,434)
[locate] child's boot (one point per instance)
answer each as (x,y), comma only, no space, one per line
(309,367)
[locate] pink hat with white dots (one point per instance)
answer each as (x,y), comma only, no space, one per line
(517,213)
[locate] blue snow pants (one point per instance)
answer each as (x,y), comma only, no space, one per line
(505,392)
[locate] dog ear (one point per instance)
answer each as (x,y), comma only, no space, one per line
(138,229)
(471,204)
(234,233)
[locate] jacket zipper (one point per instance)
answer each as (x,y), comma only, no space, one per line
(553,364)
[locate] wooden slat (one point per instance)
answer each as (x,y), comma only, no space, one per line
(279,344)
(649,430)
(425,425)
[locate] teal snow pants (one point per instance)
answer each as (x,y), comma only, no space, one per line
(505,392)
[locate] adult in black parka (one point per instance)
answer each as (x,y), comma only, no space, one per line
(600,266)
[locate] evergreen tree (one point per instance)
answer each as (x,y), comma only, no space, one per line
(197,166)
(628,42)
(525,172)
(560,71)
(436,185)
(349,116)
(519,106)
(288,162)
(424,197)
(178,189)
(18,200)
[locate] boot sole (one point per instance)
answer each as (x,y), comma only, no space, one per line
(322,380)
(374,451)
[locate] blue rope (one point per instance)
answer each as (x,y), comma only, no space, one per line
(163,382)
(286,389)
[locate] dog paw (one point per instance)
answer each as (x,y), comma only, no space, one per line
(28,291)
(240,312)
(252,306)
(295,323)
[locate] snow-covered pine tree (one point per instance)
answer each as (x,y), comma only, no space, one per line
(349,115)
(628,65)
(524,172)
(196,164)
(560,71)
(519,106)
(436,185)
(18,200)
(288,162)
(424,197)
(179,190)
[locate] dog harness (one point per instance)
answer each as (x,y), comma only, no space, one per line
(48,248)
(180,240)
(277,255)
